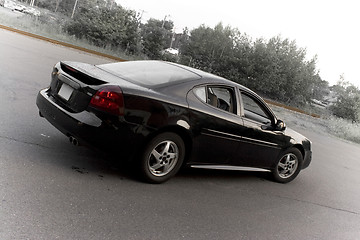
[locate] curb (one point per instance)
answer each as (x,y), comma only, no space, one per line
(61,43)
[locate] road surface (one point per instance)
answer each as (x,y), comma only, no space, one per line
(50,189)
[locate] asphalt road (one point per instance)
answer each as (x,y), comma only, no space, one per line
(50,189)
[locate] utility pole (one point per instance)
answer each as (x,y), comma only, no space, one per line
(72,15)
(172,39)
(57,5)
(112,3)
(141,15)
(163,23)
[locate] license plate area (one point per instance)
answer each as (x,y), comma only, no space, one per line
(65,91)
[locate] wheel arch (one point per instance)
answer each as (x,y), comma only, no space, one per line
(297,146)
(301,149)
(179,130)
(288,172)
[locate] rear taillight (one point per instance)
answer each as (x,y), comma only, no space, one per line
(109,99)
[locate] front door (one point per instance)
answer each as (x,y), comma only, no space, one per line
(258,147)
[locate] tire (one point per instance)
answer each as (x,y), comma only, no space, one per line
(162,157)
(288,166)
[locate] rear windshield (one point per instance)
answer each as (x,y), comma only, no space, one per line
(149,73)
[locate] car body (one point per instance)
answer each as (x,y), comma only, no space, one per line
(163,115)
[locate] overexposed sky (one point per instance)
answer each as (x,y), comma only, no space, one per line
(328,29)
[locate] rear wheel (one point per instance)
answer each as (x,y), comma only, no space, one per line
(288,166)
(162,157)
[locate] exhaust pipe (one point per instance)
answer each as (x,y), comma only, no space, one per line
(74,141)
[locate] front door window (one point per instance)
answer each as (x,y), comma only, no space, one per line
(253,110)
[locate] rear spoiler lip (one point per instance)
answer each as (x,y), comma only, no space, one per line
(82,72)
(102,76)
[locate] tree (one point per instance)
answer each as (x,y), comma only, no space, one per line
(156,36)
(347,104)
(280,71)
(209,49)
(106,27)
(66,7)
(276,68)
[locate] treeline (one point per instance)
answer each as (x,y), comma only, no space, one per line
(277,68)
(347,103)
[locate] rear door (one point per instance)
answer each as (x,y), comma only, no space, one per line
(213,115)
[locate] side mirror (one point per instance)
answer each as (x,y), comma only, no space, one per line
(267,126)
(280,125)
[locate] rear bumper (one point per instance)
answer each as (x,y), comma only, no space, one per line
(109,135)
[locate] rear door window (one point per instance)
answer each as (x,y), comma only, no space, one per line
(220,97)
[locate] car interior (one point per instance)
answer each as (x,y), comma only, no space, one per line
(221,98)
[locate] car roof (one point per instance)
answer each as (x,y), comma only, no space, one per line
(209,78)
(157,74)
(150,73)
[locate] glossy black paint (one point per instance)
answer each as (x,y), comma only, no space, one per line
(211,135)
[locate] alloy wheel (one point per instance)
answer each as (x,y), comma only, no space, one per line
(163,158)
(287,165)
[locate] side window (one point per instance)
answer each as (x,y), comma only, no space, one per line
(220,97)
(200,92)
(253,110)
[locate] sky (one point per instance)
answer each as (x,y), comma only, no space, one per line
(328,29)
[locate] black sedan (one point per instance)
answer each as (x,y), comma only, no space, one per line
(162,116)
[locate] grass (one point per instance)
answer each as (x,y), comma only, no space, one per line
(49,28)
(320,121)
(325,124)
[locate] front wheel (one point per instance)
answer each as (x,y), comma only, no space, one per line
(162,157)
(288,166)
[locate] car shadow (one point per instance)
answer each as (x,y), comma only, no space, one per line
(84,160)
(217,174)
(108,165)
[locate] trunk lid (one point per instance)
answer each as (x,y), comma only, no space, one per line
(73,84)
